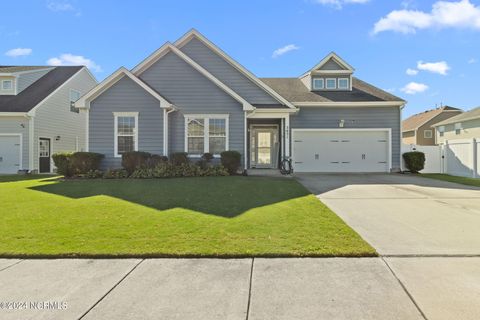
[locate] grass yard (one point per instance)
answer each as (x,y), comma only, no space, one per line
(214,216)
(449,178)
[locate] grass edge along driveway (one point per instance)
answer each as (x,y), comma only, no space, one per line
(455,179)
(183,217)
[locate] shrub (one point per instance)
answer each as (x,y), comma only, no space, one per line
(168,170)
(134,159)
(155,160)
(115,174)
(84,162)
(93,174)
(231,161)
(207,156)
(415,161)
(179,158)
(62,162)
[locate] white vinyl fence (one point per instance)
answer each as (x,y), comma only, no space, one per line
(455,157)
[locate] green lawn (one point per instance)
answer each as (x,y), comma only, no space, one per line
(214,216)
(449,178)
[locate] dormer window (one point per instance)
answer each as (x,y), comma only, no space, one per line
(331,84)
(343,84)
(318,84)
(7,85)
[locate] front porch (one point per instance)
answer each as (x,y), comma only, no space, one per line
(267,142)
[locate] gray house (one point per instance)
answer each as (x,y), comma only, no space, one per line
(37,117)
(190,96)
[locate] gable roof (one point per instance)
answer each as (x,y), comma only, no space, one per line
(295,91)
(331,56)
(465,116)
(38,91)
(195,34)
(84,101)
(168,47)
(418,120)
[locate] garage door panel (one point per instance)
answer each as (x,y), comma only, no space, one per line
(340,151)
(9,154)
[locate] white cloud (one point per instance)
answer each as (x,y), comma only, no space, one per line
(414,87)
(283,50)
(472,61)
(18,52)
(340,3)
(57,6)
(444,14)
(68,59)
(440,67)
(411,72)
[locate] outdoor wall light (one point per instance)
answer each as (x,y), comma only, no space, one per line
(341,124)
(57,138)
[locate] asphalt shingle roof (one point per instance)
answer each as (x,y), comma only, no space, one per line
(39,90)
(294,90)
(13,69)
(419,119)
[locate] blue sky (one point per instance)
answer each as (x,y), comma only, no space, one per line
(439,41)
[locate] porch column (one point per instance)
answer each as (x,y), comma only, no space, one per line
(286,136)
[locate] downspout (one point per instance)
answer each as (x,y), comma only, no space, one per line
(31,141)
(165,128)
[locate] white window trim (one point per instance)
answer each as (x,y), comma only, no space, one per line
(326,82)
(11,84)
(318,79)
(206,137)
(115,141)
(425,134)
(70,98)
(343,88)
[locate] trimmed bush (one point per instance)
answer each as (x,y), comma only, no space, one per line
(231,161)
(115,174)
(134,160)
(207,156)
(415,161)
(168,170)
(62,162)
(179,158)
(84,162)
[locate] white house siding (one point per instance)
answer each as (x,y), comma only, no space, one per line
(53,117)
(17,125)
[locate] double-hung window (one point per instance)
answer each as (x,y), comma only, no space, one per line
(7,85)
(126,132)
(206,133)
(74,96)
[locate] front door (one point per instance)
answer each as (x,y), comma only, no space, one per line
(264,146)
(44,155)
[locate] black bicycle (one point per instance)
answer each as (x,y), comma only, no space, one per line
(286,166)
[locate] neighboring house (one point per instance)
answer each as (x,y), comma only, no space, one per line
(462,126)
(37,115)
(419,130)
(190,96)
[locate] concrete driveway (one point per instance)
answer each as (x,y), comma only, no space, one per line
(403,214)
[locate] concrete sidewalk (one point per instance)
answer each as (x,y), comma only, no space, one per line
(330,288)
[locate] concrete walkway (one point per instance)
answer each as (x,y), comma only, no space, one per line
(332,288)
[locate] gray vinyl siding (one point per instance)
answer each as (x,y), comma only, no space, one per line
(53,118)
(17,125)
(226,73)
(26,79)
(374,117)
(331,65)
(124,96)
(193,93)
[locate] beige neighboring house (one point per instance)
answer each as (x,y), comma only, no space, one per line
(419,130)
(463,126)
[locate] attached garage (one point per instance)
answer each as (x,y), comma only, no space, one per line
(10,153)
(341,150)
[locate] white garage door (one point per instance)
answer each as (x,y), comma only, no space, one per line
(9,153)
(341,150)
